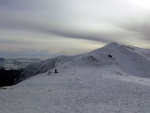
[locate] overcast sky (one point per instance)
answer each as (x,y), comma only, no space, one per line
(48,28)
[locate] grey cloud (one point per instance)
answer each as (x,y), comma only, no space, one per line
(3,41)
(141,28)
(59,12)
(29,22)
(19,4)
(83,35)
(22,24)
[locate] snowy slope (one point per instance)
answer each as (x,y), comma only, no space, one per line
(87,90)
(113,54)
(131,62)
(141,51)
(112,79)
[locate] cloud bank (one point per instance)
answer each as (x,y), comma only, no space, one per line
(73,21)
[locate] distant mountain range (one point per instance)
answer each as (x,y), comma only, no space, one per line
(16,64)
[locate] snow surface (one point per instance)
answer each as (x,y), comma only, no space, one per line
(92,82)
(85,90)
(141,51)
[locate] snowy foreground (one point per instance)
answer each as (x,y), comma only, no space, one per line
(81,86)
(87,90)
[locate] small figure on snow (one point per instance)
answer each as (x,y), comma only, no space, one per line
(56,71)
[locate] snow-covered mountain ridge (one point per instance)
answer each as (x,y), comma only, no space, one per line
(133,61)
(111,79)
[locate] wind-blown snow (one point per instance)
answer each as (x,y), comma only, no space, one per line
(106,80)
